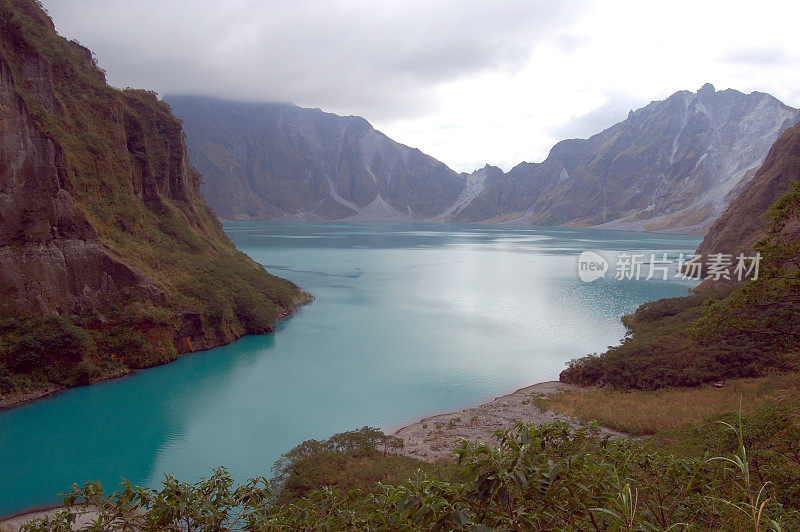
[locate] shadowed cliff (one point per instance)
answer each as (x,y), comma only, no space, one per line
(111,258)
(272,160)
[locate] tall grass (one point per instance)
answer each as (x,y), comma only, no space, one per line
(651,412)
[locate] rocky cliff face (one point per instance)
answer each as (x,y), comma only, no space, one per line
(266,161)
(672,166)
(727,328)
(742,224)
(102,223)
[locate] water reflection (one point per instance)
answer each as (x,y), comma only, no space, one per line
(408,320)
(112,430)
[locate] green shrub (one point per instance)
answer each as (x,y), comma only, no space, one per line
(771,436)
(665,348)
(84,373)
(316,463)
(6,380)
(533,478)
(39,343)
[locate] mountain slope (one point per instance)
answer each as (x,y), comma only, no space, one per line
(265,161)
(106,243)
(742,224)
(673,165)
(725,328)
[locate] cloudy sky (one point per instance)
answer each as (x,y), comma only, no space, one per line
(468,82)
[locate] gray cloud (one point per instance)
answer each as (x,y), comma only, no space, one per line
(614,110)
(759,55)
(380,59)
(569,43)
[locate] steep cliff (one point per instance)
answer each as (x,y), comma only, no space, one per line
(742,224)
(672,166)
(265,161)
(106,243)
(726,328)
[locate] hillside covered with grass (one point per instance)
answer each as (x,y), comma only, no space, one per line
(724,329)
(111,258)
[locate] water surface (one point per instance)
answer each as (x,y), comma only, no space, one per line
(408,320)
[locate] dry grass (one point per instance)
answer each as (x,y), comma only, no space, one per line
(653,412)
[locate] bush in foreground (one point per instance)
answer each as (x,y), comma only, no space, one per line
(362,460)
(533,478)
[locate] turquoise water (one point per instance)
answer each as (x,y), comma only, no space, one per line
(408,320)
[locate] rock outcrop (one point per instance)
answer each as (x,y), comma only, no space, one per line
(102,223)
(267,161)
(673,166)
(742,224)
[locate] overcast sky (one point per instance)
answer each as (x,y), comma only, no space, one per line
(467,82)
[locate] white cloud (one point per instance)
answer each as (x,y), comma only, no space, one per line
(467,82)
(615,56)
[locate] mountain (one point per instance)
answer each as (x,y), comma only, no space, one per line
(111,258)
(742,224)
(726,328)
(266,161)
(671,166)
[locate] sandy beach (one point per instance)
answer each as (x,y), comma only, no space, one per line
(13,523)
(435,437)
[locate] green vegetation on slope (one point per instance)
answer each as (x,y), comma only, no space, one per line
(169,279)
(766,309)
(721,332)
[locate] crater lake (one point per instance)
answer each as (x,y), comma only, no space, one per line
(408,320)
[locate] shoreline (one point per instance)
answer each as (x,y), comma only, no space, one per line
(10,402)
(13,522)
(45,392)
(435,437)
(5,519)
(544,386)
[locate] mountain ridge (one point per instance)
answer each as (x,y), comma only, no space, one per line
(269,161)
(645,166)
(743,223)
(671,166)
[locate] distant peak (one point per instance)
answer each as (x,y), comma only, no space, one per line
(708,88)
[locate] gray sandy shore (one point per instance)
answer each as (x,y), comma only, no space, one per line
(13,524)
(435,437)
